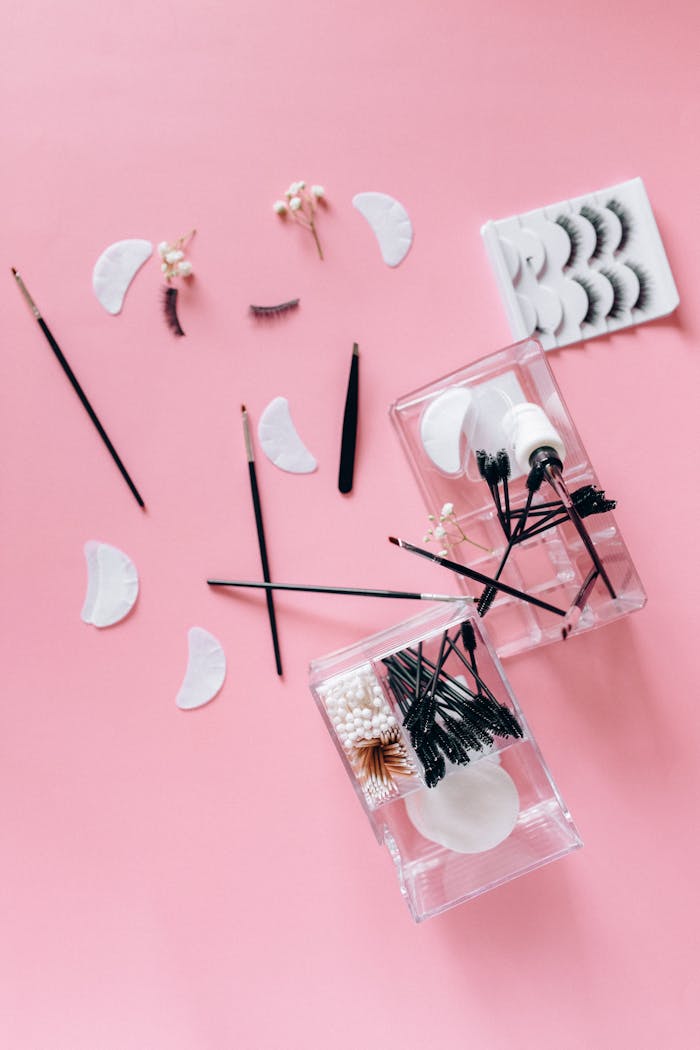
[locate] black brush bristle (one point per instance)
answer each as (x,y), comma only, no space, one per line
(486,600)
(591,500)
(574,234)
(619,306)
(593,311)
(274,311)
(468,635)
(625,222)
(503,463)
(535,478)
(170,310)
(601,234)
(481,462)
(644,298)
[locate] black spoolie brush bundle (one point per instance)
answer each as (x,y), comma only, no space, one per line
(446,720)
(529,521)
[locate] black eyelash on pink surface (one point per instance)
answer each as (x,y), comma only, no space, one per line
(274,311)
(170,310)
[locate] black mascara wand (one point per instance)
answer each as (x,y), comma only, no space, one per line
(257,509)
(77,387)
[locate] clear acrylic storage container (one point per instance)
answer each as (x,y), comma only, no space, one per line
(444,424)
(427,703)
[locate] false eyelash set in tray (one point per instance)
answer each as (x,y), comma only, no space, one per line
(422,715)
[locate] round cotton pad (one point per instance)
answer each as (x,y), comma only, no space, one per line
(470,811)
(442,426)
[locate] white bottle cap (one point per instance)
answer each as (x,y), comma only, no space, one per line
(527,428)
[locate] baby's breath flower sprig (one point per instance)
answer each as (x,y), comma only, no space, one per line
(448,530)
(301,203)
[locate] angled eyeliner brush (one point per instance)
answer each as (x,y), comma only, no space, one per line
(257,510)
(368,592)
(478,577)
(77,387)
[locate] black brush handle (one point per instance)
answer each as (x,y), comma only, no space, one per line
(89,409)
(264,562)
(349,437)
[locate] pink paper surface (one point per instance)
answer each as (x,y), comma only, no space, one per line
(206,880)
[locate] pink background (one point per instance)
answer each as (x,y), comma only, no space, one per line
(205,880)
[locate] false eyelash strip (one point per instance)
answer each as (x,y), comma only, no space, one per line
(644,298)
(570,229)
(592,315)
(275,310)
(601,234)
(618,304)
(170,310)
(623,215)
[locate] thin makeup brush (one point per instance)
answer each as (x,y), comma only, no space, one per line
(261,536)
(349,438)
(478,577)
(368,592)
(77,387)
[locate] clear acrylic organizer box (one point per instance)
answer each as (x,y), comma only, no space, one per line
(485,822)
(551,566)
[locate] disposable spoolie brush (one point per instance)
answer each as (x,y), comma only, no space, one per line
(478,577)
(257,510)
(77,387)
(537,445)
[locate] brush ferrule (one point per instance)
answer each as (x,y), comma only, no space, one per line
(30,302)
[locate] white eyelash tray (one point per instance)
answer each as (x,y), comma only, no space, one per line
(582,267)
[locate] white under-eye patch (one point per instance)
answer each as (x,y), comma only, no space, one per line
(115,270)
(206,670)
(113,584)
(390,222)
(443,427)
(280,441)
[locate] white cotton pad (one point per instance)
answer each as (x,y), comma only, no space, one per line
(472,810)
(442,427)
(206,670)
(390,223)
(115,270)
(113,585)
(280,441)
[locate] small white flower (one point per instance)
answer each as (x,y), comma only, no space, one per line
(318,192)
(174,256)
(442,553)
(164,267)
(440,532)
(280,207)
(184,268)
(447,510)
(428,537)
(295,203)
(164,248)
(431,517)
